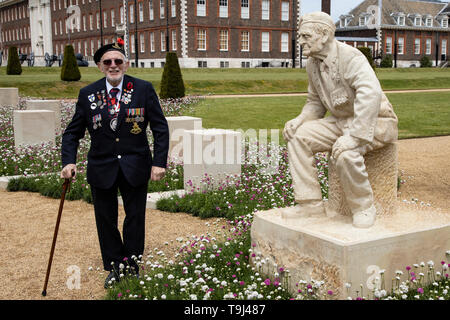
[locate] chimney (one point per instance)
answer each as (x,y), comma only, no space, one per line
(326,6)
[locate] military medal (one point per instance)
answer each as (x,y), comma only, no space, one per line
(96,120)
(91,98)
(93,106)
(113,124)
(136,129)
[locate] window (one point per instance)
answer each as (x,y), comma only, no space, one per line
(202,64)
(131,13)
(245,43)
(245,9)
(417,46)
(444,47)
(428,46)
(122,15)
(173,8)
(388,45)
(150,10)
(265,10)
(429,22)
(142,42)
(201,8)
(362,21)
(223,40)
(113,17)
(55,26)
(163,41)
(201,39)
(284,42)
(162,9)
(223,8)
(92,47)
(174,40)
(85,48)
(224,64)
(105,19)
(265,47)
(401,45)
(245,64)
(444,23)
(91,22)
(84,23)
(284,11)
(141,12)
(152,42)
(401,20)
(418,21)
(132,41)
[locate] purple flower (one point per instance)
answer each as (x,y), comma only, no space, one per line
(267,282)
(241,283)
(420,290)
(330,292)
(408,268)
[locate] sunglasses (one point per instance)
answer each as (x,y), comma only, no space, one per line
(107,62)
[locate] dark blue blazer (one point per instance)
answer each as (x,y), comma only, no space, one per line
(127,147)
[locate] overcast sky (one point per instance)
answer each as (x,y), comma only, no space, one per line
(338,7)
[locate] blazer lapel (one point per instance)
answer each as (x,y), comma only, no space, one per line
(126,99)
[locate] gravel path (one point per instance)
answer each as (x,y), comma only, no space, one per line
(27,221)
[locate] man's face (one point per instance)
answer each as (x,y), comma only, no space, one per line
(311,41)
(114,72)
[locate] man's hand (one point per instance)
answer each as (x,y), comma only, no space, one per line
(345,143)
(66,172)
(157,173)
(290,127)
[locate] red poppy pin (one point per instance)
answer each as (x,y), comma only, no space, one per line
(120,41)
(130,85)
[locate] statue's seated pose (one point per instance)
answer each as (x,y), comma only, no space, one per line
(361,119)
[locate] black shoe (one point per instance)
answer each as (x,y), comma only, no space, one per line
(111,279)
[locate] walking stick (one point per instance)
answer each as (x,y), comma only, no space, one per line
(66,185)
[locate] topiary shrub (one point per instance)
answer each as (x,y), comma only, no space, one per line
(425,62)
(386,62)
(368,53)
(69,68)
(13,67)
(172,85)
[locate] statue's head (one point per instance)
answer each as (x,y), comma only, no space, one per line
(316,29)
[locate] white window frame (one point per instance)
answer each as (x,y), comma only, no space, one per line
(174,39)
(388,45)
(223,8)
(245,9)
(401,45)
(163,41)
(418,19)
(284,42)
(428,46)
(131,13)
(173,8)
(444,23)
(151,11)
(265,9)
(105,19)
(122,15)
(142,42)
(223,40)
(113,18)
(201,8)
(429,22)
(162,9)
(97,18)
(285,10)
(444,47)
(265,41)
(245,41)
(417,46)
(152,42)
(141,11)
(202,41)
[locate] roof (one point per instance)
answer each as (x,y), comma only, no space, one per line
(410,8)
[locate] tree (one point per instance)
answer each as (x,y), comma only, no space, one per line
(425,62)
(172,85)
(69,69)
(386,62)
(368,53)
(13,67)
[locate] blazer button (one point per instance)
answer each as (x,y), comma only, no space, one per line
(119,156)
(117,139)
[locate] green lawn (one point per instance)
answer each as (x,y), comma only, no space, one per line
(45,82)
(420,114)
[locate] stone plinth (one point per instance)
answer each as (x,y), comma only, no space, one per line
(33,127)
(382,168)
(9,96)
(211,154)
(52,105)
(332,250)
(177,126)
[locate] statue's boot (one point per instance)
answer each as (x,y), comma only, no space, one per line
(304,209)
(365,218)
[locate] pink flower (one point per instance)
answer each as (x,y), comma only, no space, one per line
(408,268)
(420,290)
(330,292)
(267,282)
(241,283)
(119,295)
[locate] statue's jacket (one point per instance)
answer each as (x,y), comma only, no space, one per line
(346,86)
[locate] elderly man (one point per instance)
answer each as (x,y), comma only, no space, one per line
(116,111)
(361,119)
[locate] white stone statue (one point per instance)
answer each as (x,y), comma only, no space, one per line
(361,119)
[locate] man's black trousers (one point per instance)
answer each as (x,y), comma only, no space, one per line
(113,248)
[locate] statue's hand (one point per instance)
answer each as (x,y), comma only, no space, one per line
(290,127)
(345,143)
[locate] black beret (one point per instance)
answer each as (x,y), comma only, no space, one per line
(116,46)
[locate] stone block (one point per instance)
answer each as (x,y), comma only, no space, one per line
(177,126)
(52,105)
(9,97)
(382,168)
(332,250)
(212,154)
(33,127)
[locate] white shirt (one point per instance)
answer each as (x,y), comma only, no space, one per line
(109,87)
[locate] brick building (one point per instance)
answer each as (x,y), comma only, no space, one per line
(204,33)
(405,29)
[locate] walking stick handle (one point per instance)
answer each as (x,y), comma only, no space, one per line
(66,185)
